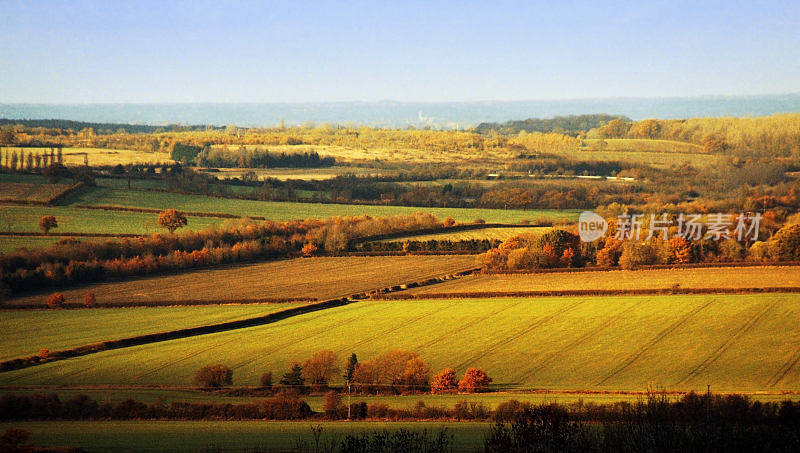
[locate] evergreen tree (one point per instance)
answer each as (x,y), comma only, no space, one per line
(294,377)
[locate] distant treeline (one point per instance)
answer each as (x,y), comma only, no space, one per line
(570,125)
(260,158)
(103,128)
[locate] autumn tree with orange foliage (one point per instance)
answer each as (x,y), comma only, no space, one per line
(445,381)
(475,381)
(320,368)
(681,250)
(89,299)
(55,300)
(172,219)
(309,249)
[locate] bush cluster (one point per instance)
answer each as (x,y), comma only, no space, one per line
(284,406)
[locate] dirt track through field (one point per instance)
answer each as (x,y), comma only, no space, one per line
(592,333)
(320,331)
(200,350)
(785,369)
(654,341)
(465,326)
(508,339)
(739,333)
(395,328)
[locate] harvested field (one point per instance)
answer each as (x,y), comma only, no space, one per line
(468,235)
(35,193)
(727,278)
(308,278)
(103,156)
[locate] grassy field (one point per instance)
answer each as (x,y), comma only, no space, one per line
(659,153)
(732,342)
(11,243)
(289,210)
(100,156)
(738,277)
(320,278)
(75,220)
(204,436)
(483,233)
(27,331)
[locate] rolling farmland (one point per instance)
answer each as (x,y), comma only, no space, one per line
(310,278)
(24,219)
(293,210)
(730,277)
(28,331)
(734,343)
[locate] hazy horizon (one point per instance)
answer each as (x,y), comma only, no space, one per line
(399,113)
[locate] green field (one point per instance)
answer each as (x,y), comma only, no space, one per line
(734,343)
(204,436)
(290,210)
(27,331)
(309,278)
(11,243)
(74,220)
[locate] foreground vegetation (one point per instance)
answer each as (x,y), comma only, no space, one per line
(694,422)
(200,436)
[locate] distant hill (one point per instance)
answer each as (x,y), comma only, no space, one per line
(100,128)
(570,124)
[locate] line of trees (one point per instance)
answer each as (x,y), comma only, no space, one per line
(243,157)
(570,124)
(562,249)
(18,160)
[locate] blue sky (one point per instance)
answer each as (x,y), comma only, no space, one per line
(248,51)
